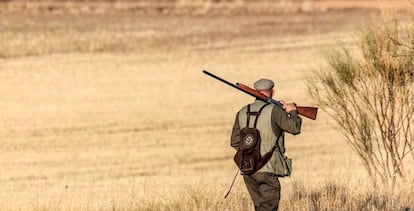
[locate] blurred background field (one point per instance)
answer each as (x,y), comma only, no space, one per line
(104,105)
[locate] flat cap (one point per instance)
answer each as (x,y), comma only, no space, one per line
(263,84)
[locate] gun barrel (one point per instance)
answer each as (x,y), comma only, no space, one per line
(220,79)
(230,84)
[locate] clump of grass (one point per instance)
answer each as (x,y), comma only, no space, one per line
(334,195)
(327,196)
(200,197)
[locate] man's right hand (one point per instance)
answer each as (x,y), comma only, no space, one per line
(288,106)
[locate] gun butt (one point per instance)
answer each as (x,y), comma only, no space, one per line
(308,112)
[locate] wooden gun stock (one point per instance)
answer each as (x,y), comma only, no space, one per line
(306,111)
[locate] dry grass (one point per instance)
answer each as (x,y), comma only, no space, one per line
(103,113)
(328,196)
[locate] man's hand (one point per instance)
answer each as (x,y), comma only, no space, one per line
(288,106)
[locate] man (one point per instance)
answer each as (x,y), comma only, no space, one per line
(263,186)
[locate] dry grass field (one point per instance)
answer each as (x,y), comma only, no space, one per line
(112,112)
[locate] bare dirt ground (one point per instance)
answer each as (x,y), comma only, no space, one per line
(197,7)
(112,111)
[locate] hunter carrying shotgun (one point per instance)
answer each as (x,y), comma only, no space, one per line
(258,137)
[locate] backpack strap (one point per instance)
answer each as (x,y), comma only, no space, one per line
(269,154)
(257,117)
(282,134)
(248,115)
(254,113)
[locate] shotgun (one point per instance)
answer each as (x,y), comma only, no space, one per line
(306,111)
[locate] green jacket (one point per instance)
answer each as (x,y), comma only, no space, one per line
(272,123)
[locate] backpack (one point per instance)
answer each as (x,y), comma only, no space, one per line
(248,158)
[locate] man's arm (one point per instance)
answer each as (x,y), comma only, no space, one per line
(289,122)
(235,133)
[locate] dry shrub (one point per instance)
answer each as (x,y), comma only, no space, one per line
(371,97)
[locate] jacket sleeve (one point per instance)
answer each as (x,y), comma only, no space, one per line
(235,133)
(289,122)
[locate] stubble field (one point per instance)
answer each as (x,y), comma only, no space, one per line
(107,112)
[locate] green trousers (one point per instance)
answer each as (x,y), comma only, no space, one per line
(264,189)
